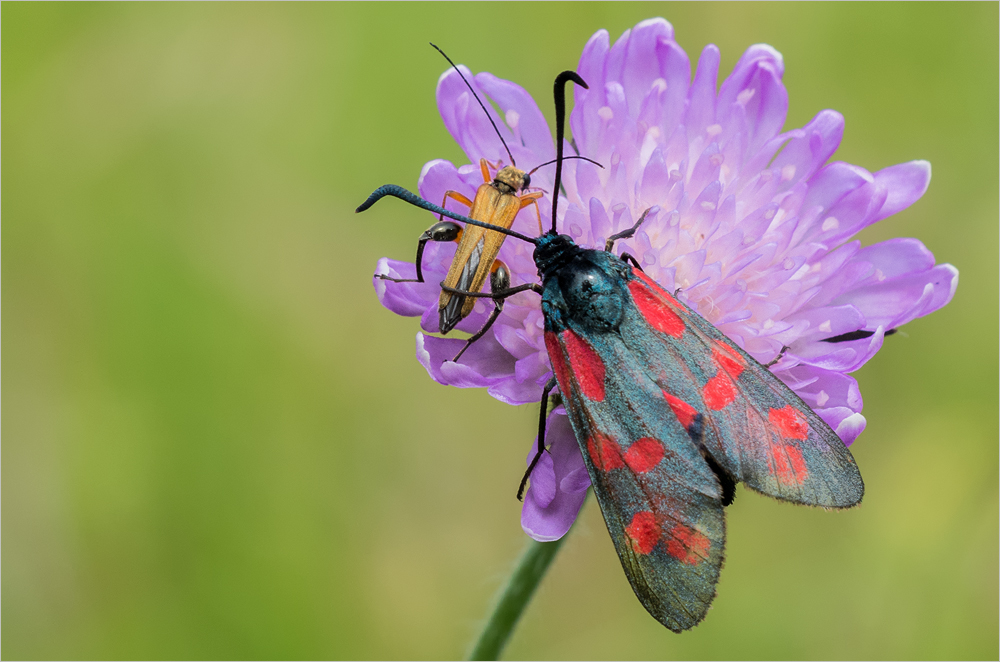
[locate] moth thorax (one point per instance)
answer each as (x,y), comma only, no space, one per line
(511,180)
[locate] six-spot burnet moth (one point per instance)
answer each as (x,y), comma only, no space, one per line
(497,202)
(668,412)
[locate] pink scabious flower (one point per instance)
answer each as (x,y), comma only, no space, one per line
(753,225)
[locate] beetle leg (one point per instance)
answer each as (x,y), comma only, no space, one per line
(454,195)
(532,199)
(441,231)
(499,282)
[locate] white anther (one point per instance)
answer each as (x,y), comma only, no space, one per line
(826,327)
(659,85)
(787,172)
(831,223)
(713,130)
(708,206)
(512,117)
(745,96)
(605,113)
(822,398)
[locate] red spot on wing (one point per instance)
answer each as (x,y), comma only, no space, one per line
(719,391)
(789,422)
(655,311)
(685,413)
(644,454)
(558,361)
(687,545)
(643,532)
(604,452)
(587,366)
(655,287)
(788,465)
(728,359)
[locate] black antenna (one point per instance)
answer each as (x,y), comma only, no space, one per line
(417,201)
(559,92)
(455,67)
(565,159)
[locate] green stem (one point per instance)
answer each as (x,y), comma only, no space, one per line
(515,597)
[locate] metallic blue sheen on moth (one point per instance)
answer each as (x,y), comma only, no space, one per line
(668,412)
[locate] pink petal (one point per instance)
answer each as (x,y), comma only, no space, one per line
(894,302)
(896,257)
(701,109)
(407,299)
(512,392)
(584,119)
(843,356)
(905,182)
(555,495)
(532,129)
(811,146)
(466,121)
(827,322)
(823,389)
(483,364)
(755,85)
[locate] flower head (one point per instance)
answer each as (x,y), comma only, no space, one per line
(753,225)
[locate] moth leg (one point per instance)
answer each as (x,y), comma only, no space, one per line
(499,281)
(440,231)
(627,257)
(625,234)
(856,335)
(777,358)
(543,411)
(534,287)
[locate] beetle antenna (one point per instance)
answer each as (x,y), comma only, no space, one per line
(481,105)
(559,92)
(566,158)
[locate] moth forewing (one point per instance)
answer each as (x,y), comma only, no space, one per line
(750,422)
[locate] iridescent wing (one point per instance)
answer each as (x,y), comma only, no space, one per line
(755,427)
(660,499)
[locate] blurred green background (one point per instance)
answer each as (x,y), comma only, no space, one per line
(217,444)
